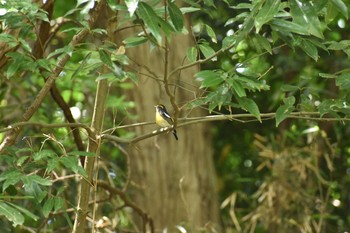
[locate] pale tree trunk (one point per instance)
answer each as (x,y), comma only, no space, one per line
(173,181)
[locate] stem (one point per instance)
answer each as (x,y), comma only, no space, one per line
(93,146)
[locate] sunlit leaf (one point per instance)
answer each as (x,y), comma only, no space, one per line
(304,14)
(341,6)
(266,13)
(11,214)
(211,33)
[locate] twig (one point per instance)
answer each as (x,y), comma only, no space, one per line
(114,191)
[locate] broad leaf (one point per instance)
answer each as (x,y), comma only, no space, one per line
(207,51)
(304,14)
(250,106)
(209,78)
(343,81)
(11,214)
(285,110)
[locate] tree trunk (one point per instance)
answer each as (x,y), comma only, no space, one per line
(173,181)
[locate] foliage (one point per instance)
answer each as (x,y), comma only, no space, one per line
(256,56)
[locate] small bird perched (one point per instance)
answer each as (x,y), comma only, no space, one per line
(163,119)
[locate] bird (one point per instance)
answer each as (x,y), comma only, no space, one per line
(163,119)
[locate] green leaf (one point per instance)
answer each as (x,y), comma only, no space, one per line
(21,160)
(65,50)
(48,206)
(33,188)
(209,78)
(341,6)
(262,41)
(331,13)
(11,180)
(105,58)
(71,162)
(10,173)
(287,27)
(343,81)
(43,154)
(289,88)
(9,39)
(266,13)
(237,87)
(176,16)
(58,203)
(25,212)
(310,49)
(304,14)
(192,54)
(228,42)
(11,214)
(211,33)
(207,51)
(285,110)
(44,63)
(150,18)
(39,180)
(325,75)
(250,106)
(52,164)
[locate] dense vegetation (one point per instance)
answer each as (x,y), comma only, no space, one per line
(273,83)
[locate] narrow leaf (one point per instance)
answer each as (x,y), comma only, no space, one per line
(150,18)
(175,16)
(341,6)
(310,49)
(134,41)
(211,33)
(287,27)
